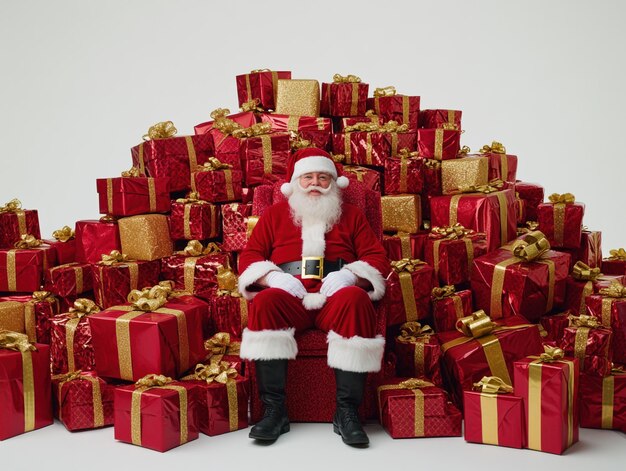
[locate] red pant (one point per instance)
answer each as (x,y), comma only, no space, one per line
(348,312)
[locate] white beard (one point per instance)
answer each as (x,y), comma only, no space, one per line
(316,215)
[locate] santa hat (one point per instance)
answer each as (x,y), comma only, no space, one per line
(310,160)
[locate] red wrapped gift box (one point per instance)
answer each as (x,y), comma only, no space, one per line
(590,250)
(38,310)
(237,225)
(549,389)
(69,280)
(194,219)
(16,222)
(400,108)
(450,306)
(173,157)
(82,400)
(609,305)
(615,264)
(22,269)
(261,85)
(502,166)
(113,281)
(492,213)
(510,282)
(265,158)
(404,174)
(161,416)
(439,143)
(244,120)
(229,312)
(408,291)
(25,397)
(346,96)
(532,194)
(590,343)
(401,245)
(439,118)
(221,348)
(603,401)
(339,124)
(561,220)
(127,196)
(173,334)
(466,359)
(65,249)
(95,238)
(369,177)
(217,183)
(577,290)
(554,326)
(313,129)
(371,148)
(418,352)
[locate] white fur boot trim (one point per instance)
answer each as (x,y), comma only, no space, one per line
(356,354)
(268,344)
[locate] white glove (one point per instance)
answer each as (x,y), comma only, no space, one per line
(336,280)
(286,282)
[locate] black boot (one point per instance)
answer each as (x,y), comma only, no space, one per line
(271,376)
(346,421)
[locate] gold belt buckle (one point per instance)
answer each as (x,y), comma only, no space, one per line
(314,263)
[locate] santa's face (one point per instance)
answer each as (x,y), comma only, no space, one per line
(315,200)
(315,183)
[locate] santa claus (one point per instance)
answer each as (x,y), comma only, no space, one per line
(313,261)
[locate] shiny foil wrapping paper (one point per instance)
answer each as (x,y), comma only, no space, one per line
(261,85)
(550,394)
(172,335)
(437,118)
(145,237)
(561,223)
(130,196)
(15,224)
(227,146)
(195,221)
(532,194)
(65,251)
(467,360)
(404,175)
(237,225)
(407,297)
(528,289)
(344,99)
(494,419)
(298,97)
(81,404)
(368,176)
(265,158)
(245,119)
(339,124)
(554,326)
(371,148)
(159,418)
(613,267)
(197,275)
(419,357)
(612,314)
(603,401)
(399,108)
(95,238)
(20,414)
(466,171)
(401,246)
(313,129)
(576,291)
(592,348)
(401,213)
(71,345)
(494,214)
(174,158)
(453,260)
(589,251)
(113,283)
(218,186)
(33,317)
(447,311)
(228,314)
(68,280)
(439,144)
(502,166)
(22,269)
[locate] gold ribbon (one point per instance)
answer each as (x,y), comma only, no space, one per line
(385,91)
(266,142)
(162,130)
(476,325)
(27,241)
(583,272)
(30,320)
(415,385)
(214,165)
(64,234)
(565,198)
(12,206)
(617,254)
(82,307)
(195,248)
(560,201)
(221,344)
(258,129)
(583,324)
(492,187)
(443,292)
(404,156)
(96,394)
(404,268)
(113,258)
(338,78)
(388,127)
(223,124)
(413,332)
(608,393)
(453,232)
(252,106)
(495,148)
(614,292)
(489,387)
(493,385)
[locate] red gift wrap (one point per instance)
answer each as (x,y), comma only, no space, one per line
(25,396)
(71,346)
(554,326)
(339,124)
(439,118)
(402,245)
(265,158)
(260,85)
(603,401)
(368,176)
(502,166)
(609,306)
(439,143)
(244,119)
(590,250)
(561,221)
(371,148)
(22,269)
(532,194)
(69,280)
(237,225)
(418,352)
(316,130)
(113,281)
(222,129)
(344,98)
(194,220)
(39,309)
(615,264)
(65,250)
(404,174)
(452,257)
(95,238)
(217,185)
(161,416)
(229,312)
(450,306)
(128,196)
(548,385)
(590,343)
(82,400)
(402,109)
(576,291)
(408,291)
(16,222)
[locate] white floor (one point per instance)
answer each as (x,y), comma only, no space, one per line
(306,447)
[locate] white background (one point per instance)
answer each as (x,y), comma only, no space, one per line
(81,82)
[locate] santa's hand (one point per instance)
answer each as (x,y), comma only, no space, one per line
(336,280)
(286,282)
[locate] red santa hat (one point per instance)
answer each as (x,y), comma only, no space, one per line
(310,160)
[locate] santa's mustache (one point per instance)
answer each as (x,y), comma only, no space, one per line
(311,188)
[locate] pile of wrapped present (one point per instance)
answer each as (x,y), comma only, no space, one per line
(500,310)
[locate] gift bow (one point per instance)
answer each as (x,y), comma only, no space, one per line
(67,377)
(258,71)
(443,292)
(615,290)
(213,164)
(358,171)
(161,130)
(495,148)
(476,325)
(450,126)
(338,78)
(108,218)
(388,127)
(132,173)
(64,234)
(153,380)
(220,372)
(222,123)
(491,187)
(252,106)
(584,321)
(463,151)
(83,307)
(530,226)
(12,206)
(406,154)
(15,341)
(617,254)
(221,344)
(584,272)
(454,232)
(414,383)
(298,142)
(532,247)
(385,91)
(565,198)
(41,296)
(27,241)
(493,385)
(226,279)
(432,164)
(551,354)
(257,129)
(151,299)
(114,257)
(407,264)
(195,248)
(193,197)
(411,331)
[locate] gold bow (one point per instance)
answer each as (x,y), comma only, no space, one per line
(64,234)
(195,248)
(258,71)
(338,78)
(584,321)
(443,292)
(27,241)
(495,148)
(221,344)
(223,124)
(15,341)
(385,91)
(432,164)
(492,385)
(491,187)
(454,232)
(153,380)
(404,153)
(67,377)
(132,173)
(407,264)
(450,126)
(114,257)
(551,354)
(297,142)
(339,158)
(227,281)
(411,332)
(565,198)
(414,383)
(83,307)
(532,247)
(584,272)
(252,106)
(213,164)
(617,254)
(615,290)
(151,299)
(257,129)
(193,198)
(530,226)
(476,325)
(108,218)
(12,206)
(43,296)
(220,372)
(463,151)
(161,130)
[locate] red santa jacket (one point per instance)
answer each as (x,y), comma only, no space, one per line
(276,239)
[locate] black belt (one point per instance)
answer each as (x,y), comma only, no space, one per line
(312,267)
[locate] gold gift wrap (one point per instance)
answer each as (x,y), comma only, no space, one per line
(467,171)
(298,97)
(145,237)
(401,213)
(12,316)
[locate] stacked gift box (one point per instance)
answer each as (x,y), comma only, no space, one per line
(499,308)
